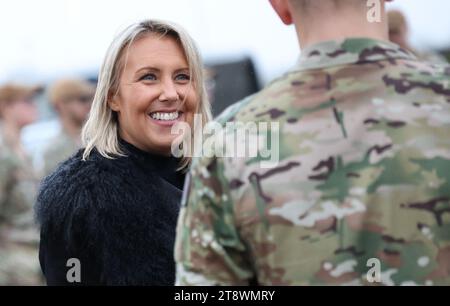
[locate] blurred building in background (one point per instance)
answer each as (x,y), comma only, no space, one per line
(229,82)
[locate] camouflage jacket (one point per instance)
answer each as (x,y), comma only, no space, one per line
(361,193)
(19,237)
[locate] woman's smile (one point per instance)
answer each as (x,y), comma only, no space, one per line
(166,118)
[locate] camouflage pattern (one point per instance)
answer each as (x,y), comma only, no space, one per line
(59,149)
(364,173)
(19,237)
(432,57)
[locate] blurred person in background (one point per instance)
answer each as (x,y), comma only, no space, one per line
(114,205)
(72,99)
(399,34)
(210,80)
(361,192)
(18,186)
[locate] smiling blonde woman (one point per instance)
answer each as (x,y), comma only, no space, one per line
(113,206)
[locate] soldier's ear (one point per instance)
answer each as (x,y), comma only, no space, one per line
(283,10)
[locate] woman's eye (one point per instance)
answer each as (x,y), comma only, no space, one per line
(183,77)
(148,77)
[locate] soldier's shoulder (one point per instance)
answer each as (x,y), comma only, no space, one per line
(427,68)
(229,114)
(418,78)
(58,144)
(432,57)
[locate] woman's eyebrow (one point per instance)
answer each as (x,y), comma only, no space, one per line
(148,68)
(182,70)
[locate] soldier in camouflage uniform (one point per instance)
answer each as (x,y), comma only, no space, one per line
(19,238)
(72,99)
(363,176)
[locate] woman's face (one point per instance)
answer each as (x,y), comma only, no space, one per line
(155,92)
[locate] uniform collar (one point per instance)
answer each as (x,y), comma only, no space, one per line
(349,51)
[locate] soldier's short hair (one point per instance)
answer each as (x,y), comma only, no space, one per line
(11,91)
(67,89)
(308,5)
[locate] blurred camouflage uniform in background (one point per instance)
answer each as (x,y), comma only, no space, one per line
(364,173)
(59,149)
(72,99)
(19,238)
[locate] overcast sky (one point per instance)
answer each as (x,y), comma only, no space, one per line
(45,39)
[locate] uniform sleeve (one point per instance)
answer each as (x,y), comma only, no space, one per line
(4,181)
(209,249)
(9,191)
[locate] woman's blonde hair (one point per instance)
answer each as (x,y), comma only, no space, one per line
(101,130)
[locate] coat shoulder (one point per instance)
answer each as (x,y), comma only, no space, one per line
(77,186)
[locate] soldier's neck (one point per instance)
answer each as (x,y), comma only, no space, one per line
(338,26)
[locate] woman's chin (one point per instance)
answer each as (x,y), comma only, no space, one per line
(160,144)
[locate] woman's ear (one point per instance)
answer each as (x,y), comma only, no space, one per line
(283,9)
(114,103)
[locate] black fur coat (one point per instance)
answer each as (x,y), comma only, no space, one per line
(118,217)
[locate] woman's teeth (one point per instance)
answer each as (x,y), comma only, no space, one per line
(165,116)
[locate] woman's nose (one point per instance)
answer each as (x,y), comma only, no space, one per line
(168,92)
